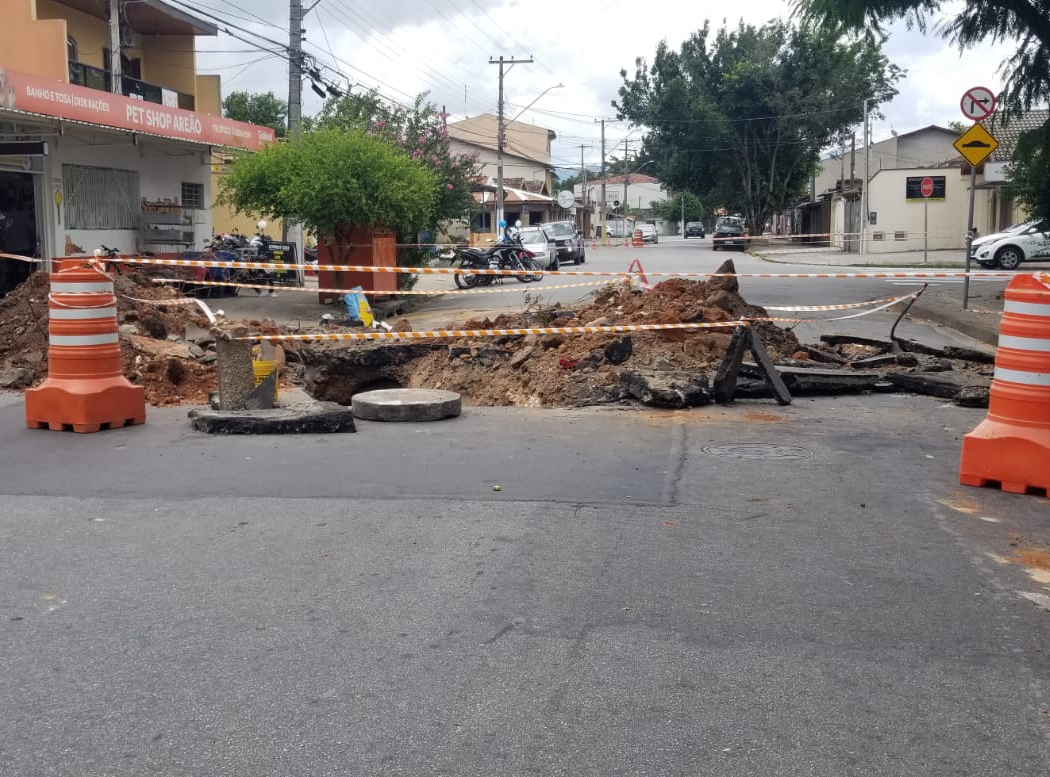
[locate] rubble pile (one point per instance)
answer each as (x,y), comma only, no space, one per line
(153,346)
(170,350)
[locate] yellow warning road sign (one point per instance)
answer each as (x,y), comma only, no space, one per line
(976,144)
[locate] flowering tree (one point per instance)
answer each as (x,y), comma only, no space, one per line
(420,130)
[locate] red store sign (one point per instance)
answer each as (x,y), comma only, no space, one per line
(32,94)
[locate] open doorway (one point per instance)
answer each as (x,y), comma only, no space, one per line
(18,227)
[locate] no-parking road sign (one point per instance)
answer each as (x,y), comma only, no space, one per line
(978,103)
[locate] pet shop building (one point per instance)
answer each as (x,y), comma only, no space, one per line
(84,164)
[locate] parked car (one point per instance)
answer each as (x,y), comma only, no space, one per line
(695,229)
(649,233)
(729,233)
(542,245)
(568,239)
(1027,242)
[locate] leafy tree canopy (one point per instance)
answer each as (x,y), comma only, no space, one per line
(1030,172)
(671,208)
(328,180)
(1024,22)
(421,132)
(741,119)
(262,109)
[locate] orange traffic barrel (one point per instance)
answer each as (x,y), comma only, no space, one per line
(637,238)
(1011,447)
(85,389)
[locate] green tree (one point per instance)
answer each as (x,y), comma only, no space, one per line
(262,109)
(671,208)
(1027,72)
(1026,22)
(420,130)
(1030,172)
(741,119)
(332,180)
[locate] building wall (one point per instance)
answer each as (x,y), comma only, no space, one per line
(162,167)
(513,166)
(209,95)
(947,217)
(31,45)
(170,61)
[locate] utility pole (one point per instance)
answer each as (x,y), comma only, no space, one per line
(583,185)
(866,215)
(500,132)
(116,82)
(294,232)
(605,235)
(626,178)
(295,67)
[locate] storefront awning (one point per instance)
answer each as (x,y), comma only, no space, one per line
(37,97)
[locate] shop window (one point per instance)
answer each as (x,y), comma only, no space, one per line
(72,50)
(100,197)
(193,195)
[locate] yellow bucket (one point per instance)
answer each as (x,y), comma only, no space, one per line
(262,369)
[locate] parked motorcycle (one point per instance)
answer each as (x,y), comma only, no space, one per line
(507,254)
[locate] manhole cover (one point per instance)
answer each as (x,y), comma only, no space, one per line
(759,450)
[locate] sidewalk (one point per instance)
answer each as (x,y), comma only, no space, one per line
(942,301)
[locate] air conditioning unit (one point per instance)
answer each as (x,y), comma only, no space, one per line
(127,36)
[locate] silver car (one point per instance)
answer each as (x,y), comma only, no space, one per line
(541,245)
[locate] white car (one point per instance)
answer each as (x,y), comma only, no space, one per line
(649,233)
(1027,242)
(541,245)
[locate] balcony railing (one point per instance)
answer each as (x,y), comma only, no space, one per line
(97,78)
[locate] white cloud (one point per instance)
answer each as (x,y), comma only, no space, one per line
(443,46)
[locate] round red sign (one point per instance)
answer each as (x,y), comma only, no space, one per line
(926,187)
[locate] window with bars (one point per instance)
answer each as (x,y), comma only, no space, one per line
(193,195)
(100,197)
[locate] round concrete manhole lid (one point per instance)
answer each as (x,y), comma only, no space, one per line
(758,450)
(406,405)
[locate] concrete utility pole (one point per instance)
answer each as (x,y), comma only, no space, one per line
(500,132)
(116,82)
(583,184)
(866,215)
(626,178)
(294,232)
(295,67)
(605,235)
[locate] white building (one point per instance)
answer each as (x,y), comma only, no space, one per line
(640,192)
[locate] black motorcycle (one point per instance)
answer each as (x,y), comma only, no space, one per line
(508,254)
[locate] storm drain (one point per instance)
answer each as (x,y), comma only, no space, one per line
(758,450)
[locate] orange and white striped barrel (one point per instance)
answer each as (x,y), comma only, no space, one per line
(1011,446)
(85,389)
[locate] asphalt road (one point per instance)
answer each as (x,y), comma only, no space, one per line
(750,590)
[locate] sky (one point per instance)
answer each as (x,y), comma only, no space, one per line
(404,47)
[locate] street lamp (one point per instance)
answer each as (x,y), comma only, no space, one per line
(500,129)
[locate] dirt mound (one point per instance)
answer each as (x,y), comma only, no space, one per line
(169,375)
(573,369)
(554,369)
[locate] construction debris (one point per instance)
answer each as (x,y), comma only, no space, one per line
(170,349)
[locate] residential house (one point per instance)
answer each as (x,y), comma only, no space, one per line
(526,168)
(900,218)
(640,192)
(999,210)
(129,169)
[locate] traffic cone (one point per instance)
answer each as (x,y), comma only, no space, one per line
(85,389)
(1011,446)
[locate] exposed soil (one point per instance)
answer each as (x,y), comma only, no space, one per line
(530,370)
(574,369)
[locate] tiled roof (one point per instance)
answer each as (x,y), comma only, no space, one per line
(633,178)
(1009,130)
